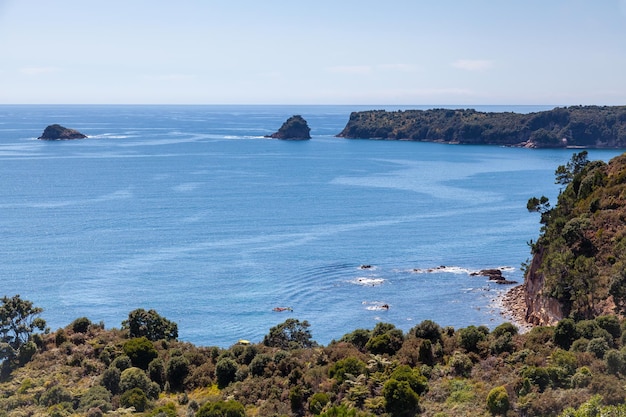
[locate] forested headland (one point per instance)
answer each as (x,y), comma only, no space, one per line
(576,126)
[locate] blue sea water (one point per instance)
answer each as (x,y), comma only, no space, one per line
(190,211)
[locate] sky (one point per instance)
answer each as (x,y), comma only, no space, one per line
(420,52)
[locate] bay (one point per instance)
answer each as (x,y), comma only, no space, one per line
(190,211)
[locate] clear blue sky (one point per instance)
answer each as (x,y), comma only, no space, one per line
(558,52)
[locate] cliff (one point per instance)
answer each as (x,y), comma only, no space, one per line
(58,132)
(295,128)
(578,268)
(578,126)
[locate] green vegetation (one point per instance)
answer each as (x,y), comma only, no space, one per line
(85,370)
(582,247)
(589,126)
(150,324)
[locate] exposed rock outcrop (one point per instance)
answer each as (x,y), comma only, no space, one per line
(58,132)
(295,128)
(494,275)
(541,309)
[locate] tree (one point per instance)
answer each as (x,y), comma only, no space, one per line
(540,205)
(292,334)
(18,320)
(151,325)
(565,173)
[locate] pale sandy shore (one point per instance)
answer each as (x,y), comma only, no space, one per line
(513,308)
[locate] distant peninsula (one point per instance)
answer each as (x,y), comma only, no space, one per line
(562,127)
(58,132)
(295,128)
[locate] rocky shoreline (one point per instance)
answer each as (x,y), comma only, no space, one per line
(513,307)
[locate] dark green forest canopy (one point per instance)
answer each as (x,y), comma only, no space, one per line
(577,126)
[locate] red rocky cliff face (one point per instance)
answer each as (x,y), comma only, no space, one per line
(541,309)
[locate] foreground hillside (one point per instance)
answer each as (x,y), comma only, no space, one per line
(142,369)
(579,126)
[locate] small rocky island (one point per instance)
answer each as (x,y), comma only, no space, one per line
(58,132)
(295,128)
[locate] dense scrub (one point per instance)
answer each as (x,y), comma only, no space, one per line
(582,247)
(84,369)
(588,126)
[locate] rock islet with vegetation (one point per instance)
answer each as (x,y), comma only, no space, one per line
(294,128)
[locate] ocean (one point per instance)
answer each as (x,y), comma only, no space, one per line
(190,211)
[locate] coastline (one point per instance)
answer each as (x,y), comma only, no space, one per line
(513,307)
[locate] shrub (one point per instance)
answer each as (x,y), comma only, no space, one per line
(60,337)
(460,364)
(598,346)
(564,359)
(537,376)
(134,397)
(428,329)
(134,378)
(400,399)
(470,336)
(582,378)
(341,369)
(258,364)
(614,361)
(417,382)
(225,372)
(111,380)
(504,328)
(80,325)
(156,371)
(565,333)
(580,345)
(610,324)
(380,344)
(141,351)
(317,402)
(222,409)
(26,352)
(55,395)
(498,401)
(358,338)
(176,371)
(96,397)
(386,338)
(122,363)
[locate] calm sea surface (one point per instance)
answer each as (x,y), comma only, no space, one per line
(190,211)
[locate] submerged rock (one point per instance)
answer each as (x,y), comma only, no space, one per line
(295,128)
(58,132)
